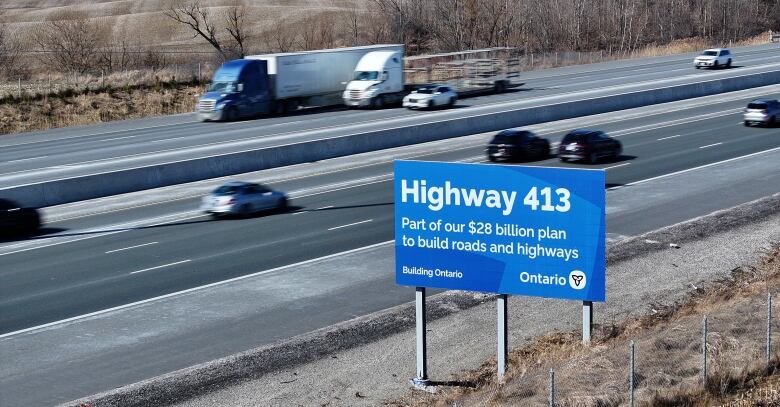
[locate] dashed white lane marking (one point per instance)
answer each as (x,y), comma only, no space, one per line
(616,166)
(711,145)
(351,224)
(667,138)
(159,267)
(131,247)
(25,159)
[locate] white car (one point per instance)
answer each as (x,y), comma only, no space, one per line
(431,96)
(713,58)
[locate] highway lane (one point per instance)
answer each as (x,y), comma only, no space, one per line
(110,259)
(43,156)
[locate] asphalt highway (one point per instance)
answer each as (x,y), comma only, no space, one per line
(90,263)
(95,262)
(42,156)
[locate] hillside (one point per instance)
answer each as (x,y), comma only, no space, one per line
(145,23)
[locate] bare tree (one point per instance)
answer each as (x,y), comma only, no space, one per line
(235,19)
(10,49)
(70,41)
(204,24)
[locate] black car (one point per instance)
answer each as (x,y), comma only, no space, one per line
(517,144)
(14,219)
(589,145)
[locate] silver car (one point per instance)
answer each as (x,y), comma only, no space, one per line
(243,199)
(762,111)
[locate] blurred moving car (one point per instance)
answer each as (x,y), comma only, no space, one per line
(15,219)
(242,198)
(763,112)
(431,96)
(517,144)
(713,58)
(590,145)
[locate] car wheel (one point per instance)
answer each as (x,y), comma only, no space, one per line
(215,216)
(564,160)
(452,102)
(772,121)
(728,63)
(245,210)
(697,67)
(231,114)
(432,105)
(491,159)
(282,203)
(747,123)
(715,65)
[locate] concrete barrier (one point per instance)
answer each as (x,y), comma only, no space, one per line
(112,183)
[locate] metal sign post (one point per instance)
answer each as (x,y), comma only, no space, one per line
(421,380)
(503,336)
(587,321)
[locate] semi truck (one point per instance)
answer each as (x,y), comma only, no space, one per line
(384,77)
(280,83)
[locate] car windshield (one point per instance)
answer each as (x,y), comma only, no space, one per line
(426,91)
(508,138)
(710,53)
(757,105)
(228,190)
(227,87)
(576,138)
(366,75)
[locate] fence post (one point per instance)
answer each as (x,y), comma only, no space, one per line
(20,88)
(631,376)
(704,351)
(769,331)
(552,388)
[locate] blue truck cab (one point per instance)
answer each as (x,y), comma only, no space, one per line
(240,88)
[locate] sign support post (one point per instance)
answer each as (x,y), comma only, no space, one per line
(422,341)
(587,321)
(503,336)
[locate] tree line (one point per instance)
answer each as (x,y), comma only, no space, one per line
(74,42)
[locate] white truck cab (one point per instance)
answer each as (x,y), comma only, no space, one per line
(378,80)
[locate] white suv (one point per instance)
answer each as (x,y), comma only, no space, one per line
(713,58)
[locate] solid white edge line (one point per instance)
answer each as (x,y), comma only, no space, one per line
(159,267)
(131,247)
(190,290)
(351,224)
(695,168)
(711,145)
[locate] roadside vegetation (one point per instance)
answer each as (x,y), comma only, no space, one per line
(667,353)
(80,49)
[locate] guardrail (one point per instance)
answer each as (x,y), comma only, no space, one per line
(112,183)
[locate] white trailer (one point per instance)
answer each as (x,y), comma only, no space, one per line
(314,78)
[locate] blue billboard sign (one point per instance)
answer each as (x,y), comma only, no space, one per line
(501,229)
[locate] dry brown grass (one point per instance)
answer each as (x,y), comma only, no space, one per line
(668,356)
(65,110)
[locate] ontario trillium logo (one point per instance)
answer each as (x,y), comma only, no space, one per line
(577,280)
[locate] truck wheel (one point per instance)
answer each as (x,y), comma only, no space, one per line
(378,102)
(231,114)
